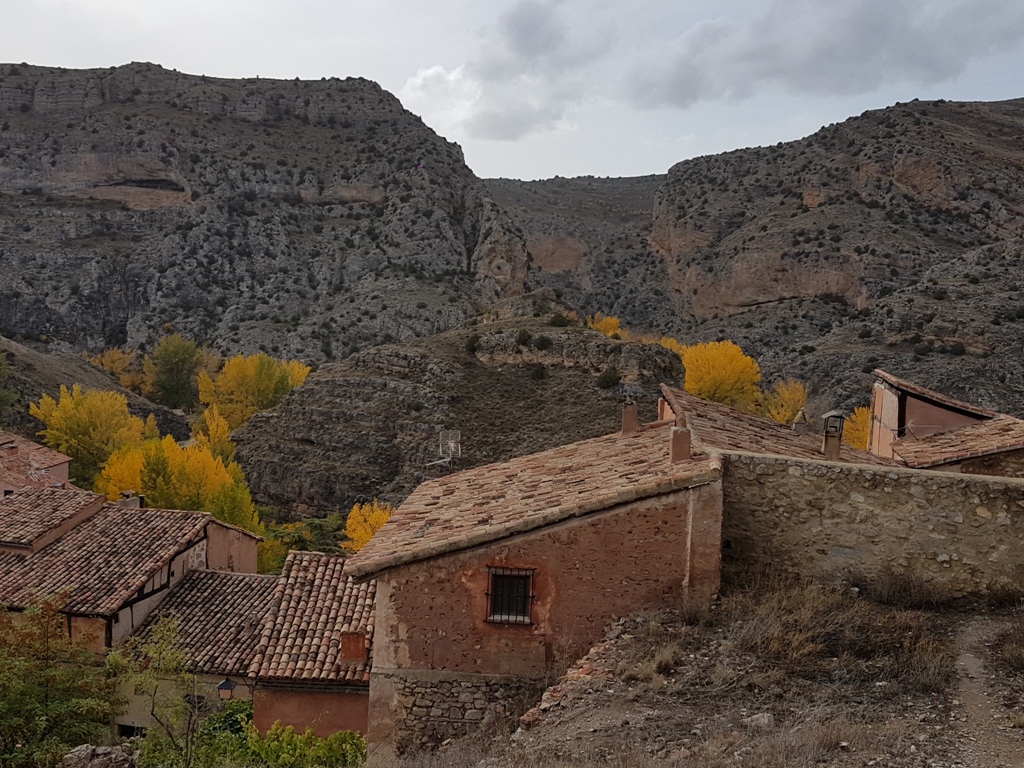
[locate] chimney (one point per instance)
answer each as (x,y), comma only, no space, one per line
(680,445)
(129,499)
(629,419)
(832,437)
(353,646)
(801,424)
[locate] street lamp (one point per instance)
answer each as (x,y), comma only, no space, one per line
(226,689)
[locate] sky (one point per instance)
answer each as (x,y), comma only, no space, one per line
(537,88)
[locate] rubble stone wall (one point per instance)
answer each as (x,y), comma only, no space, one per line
(962,533)
(429,707)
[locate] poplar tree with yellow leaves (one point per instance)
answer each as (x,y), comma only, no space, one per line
(857,430)
(785,401)
(247,385)
(719,371)
(88,426)
(364,521)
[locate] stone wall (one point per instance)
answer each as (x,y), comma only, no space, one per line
(428,708)
(961,533)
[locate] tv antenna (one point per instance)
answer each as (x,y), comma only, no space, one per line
(449,447)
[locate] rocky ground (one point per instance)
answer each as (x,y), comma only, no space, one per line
(670,690)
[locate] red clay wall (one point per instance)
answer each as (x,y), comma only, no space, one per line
(432,616)
(326,712)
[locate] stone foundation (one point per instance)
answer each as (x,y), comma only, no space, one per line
(428,708)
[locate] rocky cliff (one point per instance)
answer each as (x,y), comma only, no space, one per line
(891,239)
(369,425)
(304,218)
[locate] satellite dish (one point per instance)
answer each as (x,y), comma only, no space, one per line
(449,447)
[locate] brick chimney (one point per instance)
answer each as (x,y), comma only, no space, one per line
(353,646)
(832,437)
(680,445)
(630,419)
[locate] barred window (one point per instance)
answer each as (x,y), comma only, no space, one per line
(510,595)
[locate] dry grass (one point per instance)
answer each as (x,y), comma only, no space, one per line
(826,630)
(1008,646)
(896,589)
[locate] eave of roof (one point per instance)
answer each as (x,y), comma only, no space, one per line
(478,506)
(722,428)
(936,397)
(986,438)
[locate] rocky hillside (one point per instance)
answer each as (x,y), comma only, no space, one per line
(305,218)
(30,373)
(889,239)
(368,426)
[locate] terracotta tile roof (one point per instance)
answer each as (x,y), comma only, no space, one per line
(930,394)
(101,562)
(220,617)
(27,464)
(480,505)
(314,604)
(29,514)
(1003,433)
(723,428)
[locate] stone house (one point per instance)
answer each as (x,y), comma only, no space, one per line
(112,564)
(298,644)
(312,661)
(24,464)
(925,429)
(488,578)
(219,616)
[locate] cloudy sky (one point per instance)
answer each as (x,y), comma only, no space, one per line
(535,88)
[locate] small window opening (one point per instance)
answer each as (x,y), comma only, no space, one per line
(510,595)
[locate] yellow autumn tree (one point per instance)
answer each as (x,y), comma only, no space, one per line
(785,400)
(213,432)
(364,521)
(88,426)
(857,429)
(124,365)
(606,324)
(719,371)
(171,476)
(246,385)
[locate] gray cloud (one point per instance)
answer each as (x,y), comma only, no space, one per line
(823,48)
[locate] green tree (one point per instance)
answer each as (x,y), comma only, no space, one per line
(6,396)
(53,693)
(153,668)
(88,426)
(171,371)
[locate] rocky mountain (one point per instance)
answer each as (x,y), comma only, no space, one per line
(318,219)
(889,239)
(305,218)
(369,426)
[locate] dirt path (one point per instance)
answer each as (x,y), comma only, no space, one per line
(989,742)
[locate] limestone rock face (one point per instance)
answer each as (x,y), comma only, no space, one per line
(368,426)
(305,218)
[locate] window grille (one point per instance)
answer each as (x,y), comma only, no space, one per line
(510,595)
